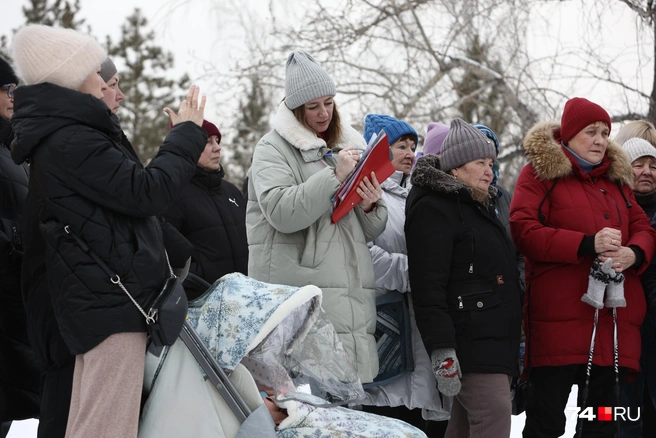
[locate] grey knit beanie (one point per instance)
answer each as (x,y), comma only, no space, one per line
(463,144)
(107,69)
(305,80)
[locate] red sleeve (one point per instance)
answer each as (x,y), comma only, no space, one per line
(538,242)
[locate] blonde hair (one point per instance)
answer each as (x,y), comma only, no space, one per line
(637,129)
(334,131)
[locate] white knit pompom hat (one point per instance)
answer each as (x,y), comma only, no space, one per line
(62,57)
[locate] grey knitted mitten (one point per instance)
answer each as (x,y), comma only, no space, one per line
(597,281)
(447,371)
(615,291)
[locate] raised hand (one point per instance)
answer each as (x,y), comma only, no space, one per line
(190,110)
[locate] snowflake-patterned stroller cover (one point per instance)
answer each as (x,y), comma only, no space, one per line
(281,335)
(285,340)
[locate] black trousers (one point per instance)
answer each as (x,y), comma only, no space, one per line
(55,361)
(545,411)
(4,429)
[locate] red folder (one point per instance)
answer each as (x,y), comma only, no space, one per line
(376,159)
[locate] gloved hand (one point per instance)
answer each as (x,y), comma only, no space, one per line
(615,290)
(447,371)
(598,279)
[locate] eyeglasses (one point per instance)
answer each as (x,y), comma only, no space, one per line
(10,89)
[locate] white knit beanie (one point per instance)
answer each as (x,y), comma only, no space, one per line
(305,80)
(637,147)
(62,57)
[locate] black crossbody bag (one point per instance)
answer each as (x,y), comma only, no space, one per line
(168,310)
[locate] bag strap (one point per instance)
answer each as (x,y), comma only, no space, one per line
(114,278)
(541,216)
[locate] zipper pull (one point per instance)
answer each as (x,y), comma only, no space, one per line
(16,237)
(471,268)
(460,306)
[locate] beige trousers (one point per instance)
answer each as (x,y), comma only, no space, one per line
(107,384)
(482,408)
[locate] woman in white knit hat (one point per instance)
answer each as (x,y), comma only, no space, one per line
(297,168)
(82,179)
(640,393)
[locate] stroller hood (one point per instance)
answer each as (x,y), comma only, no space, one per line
(280,334)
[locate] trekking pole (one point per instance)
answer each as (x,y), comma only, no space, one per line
(584,392)
(617,367)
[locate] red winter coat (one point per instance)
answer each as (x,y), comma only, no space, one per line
(558,324)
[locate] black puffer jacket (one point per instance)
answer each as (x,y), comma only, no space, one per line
(19,377)
(82,177)
(463,272)
(211,214)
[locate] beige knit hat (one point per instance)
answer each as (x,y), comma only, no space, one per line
(62,57)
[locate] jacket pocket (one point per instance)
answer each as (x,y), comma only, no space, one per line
(485,314)
(480,301)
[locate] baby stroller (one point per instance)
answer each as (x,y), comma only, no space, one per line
(266,337)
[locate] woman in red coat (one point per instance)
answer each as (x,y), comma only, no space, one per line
(574,205)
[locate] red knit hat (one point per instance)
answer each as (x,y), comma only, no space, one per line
(578,114)
(211,130)
(209,127)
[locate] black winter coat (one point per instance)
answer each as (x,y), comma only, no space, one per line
(19,376)
(82,177)
(463,272)
(178,247)
(211,214)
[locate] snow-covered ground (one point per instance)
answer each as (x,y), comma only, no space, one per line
(27,428)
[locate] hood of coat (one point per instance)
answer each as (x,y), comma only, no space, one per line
(285,124)
(397,184)
(544,151)
(428,175)
(40,110)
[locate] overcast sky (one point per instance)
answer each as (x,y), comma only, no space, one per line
(204,34)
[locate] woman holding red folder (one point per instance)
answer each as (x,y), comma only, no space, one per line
(295,173)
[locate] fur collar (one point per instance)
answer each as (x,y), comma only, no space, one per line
(285,124)
(428,175)
(546,155)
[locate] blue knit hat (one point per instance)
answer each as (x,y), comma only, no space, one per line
(394,128)
(492,136)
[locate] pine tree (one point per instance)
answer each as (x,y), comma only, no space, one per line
(254,110)
(144,79)
(58,13)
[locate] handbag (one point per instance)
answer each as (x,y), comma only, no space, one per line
(393,338)
(168,311)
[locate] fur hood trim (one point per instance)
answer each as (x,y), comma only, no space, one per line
(428,175)
(546,155)
(285,124)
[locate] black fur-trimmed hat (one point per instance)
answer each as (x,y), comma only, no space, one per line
(7,75)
